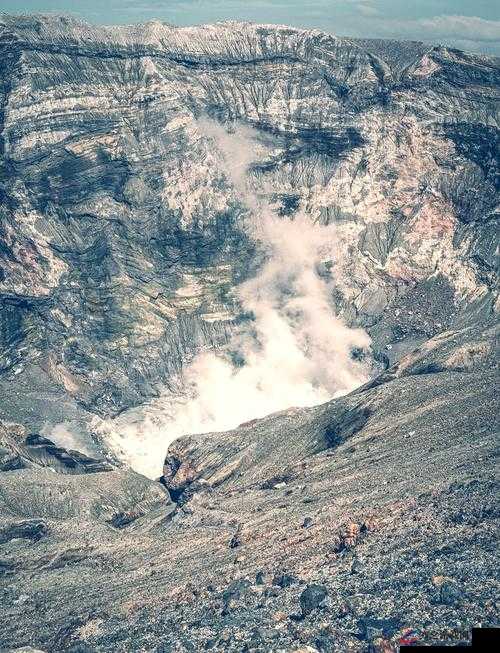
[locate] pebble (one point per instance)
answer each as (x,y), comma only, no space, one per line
(259,578)
(285,580)
(450,593)
(312,597)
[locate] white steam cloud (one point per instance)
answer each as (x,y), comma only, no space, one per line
(69,436)
(294,352)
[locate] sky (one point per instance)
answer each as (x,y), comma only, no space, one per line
(466,24)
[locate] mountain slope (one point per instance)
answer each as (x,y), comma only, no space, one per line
(138,167)
(123,238)
(386,499)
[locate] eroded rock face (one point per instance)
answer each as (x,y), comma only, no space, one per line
(122,244)
(19,450)
(122,239)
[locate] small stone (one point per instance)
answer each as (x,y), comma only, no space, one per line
(22,598)
(285,580)
(235,541)
(271,591)
(356,566)
(259,578)
(450,593)
(382,645)
(325,643)
(437,581)
(371,628)
(264,634)
(312,597)
(369,525)
(308,521)
(279,616)
(234,591)
(350,534)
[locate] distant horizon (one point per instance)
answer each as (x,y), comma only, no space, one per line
(138,23)
(461,24)
(77,18)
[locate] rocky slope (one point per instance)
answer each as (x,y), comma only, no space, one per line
(124,239)
(338,528)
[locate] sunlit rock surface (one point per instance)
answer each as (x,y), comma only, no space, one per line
(122,243)
(122,239)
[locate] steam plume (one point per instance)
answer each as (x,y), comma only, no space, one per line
(294,352)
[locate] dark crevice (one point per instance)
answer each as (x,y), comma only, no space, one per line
(346,425)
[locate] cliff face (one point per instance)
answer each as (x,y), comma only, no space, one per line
(125,238)
(122,238)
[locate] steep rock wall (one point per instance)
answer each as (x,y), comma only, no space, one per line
(122,240)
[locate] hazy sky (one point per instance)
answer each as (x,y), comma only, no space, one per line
(467,24)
